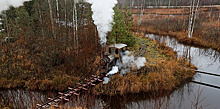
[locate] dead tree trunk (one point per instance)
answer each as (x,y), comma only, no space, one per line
(191,18)
(75,27)
(41,20)
(142,12)
(58,14)
(195,16)
(51,18)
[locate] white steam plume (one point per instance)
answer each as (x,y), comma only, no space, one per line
(129,61)
(4,4)
(106,80)
(112,72)
(103,16)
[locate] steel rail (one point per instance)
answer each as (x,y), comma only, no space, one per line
(205,84)
(208,73)
(94,80)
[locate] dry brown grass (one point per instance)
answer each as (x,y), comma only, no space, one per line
(206,32)
(163,72)
(177,11)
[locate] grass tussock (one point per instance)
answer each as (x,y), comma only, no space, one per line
(163,71)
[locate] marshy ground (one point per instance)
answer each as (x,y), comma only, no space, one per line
(162,72)
(174,22)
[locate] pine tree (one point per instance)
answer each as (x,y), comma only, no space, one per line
(121,27)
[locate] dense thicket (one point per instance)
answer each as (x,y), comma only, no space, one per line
(52,40)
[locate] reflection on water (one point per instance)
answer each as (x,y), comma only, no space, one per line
(24,99)
(20,98)
(185,97)
(207,60)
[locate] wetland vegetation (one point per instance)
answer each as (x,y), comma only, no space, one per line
(53,49)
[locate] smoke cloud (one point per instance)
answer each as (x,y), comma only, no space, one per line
(106,80)
(113,71)
(103,16)
(129,61)
(4,4)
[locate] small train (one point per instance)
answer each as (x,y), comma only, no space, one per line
(111,57)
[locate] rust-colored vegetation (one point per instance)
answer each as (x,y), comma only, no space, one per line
(45,56)
(163,72)
(174,22)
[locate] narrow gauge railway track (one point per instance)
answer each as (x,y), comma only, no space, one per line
(142,50)
(86,85)
(206,84)
(208,73)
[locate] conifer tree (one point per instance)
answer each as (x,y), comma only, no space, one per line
(121,27)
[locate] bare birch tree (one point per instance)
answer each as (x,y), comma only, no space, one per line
(192,17)
(75,25)
(58,15)
(195,16)
(51,18)
(65,15)
(169,4)
(41,20)
(142,11)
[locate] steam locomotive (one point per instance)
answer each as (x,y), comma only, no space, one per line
(111,57)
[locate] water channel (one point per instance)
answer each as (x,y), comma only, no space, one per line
(183,98)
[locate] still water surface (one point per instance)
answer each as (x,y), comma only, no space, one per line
(207,60)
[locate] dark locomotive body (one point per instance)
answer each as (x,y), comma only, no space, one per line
(112,57)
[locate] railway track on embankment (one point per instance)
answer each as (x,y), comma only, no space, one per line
(203,83)
(82,87)
(87,84)
(142,50)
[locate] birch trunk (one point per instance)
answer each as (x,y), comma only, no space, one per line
(190,15)
(169,4)
(58,15)
(191,18)
(65,15)
(141,14)
(41,20)
(51,18)
(132,3)
(74,32)
(76,27)
(195,16)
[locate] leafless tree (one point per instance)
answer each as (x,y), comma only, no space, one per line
(51,18)
(192,17)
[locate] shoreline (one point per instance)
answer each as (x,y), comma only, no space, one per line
(153,77)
